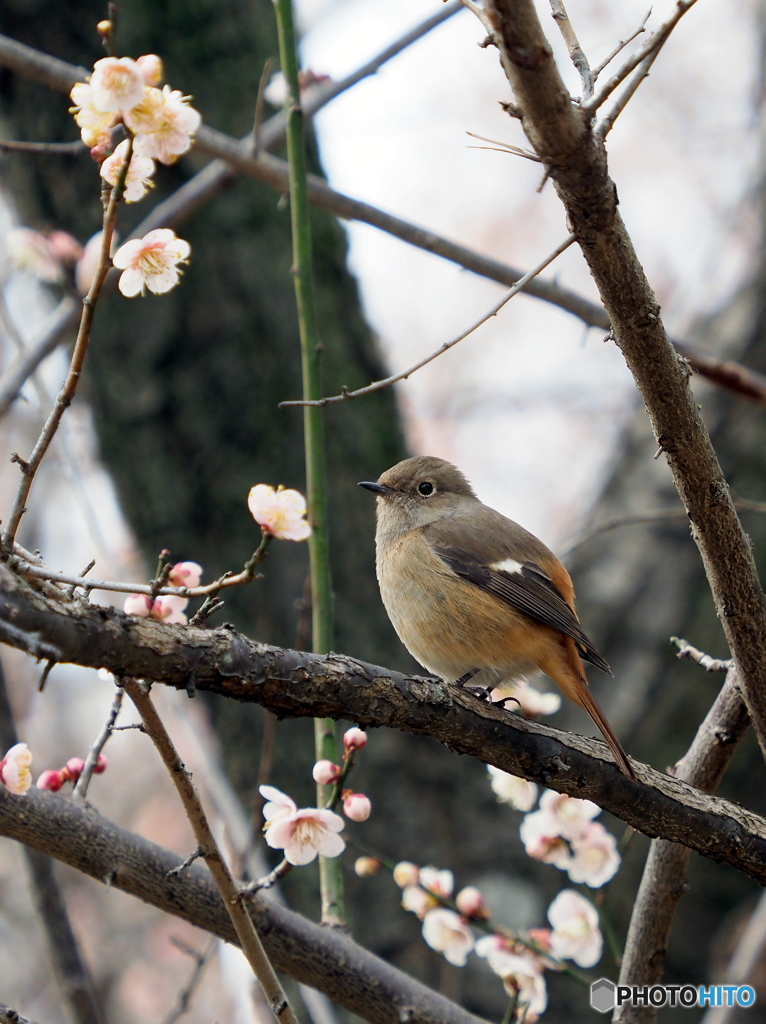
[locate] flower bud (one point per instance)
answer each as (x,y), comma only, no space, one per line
(185,574)
(406,873)
(356,806)
(104,28)
(470,903)
(51,779)
(74,767)
(325,773)
(151,68)
(366,867)
(101,765)
(354,739)
(138,604)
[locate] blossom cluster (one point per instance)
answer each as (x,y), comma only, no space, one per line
(520,960)
(169,608)
(303,833)
(53,779)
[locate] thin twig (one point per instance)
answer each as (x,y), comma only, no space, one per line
(67,393)
(380,384)
(268,881)
(642,71)
(187,992)
(506,147)
(685,650)
(248,937)
(576,52)
(81,786)
(260,102)
(654,42)
(62,148)
(180,868)
(621,46)
(479,12)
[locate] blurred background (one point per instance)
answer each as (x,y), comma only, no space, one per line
(178,418)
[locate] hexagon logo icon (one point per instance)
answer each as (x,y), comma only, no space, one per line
(602,994)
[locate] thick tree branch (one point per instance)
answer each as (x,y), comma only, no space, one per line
(324,958)
(294,684)
(233,153)
(561,136)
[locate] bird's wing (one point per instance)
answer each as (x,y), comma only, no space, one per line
(519,580)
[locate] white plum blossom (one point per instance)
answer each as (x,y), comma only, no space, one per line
(572,814)
(185,574)
(441,883)
(306,833)
(15,771)
(470,903)
(94,124)
(447,933)
(521,971)
(418,901)
(594,856)
(406,873)
(510,789)
(117,84)
(280,512)
(151,68)
(151,262)
(31,252)
(532,703)
(542,839)
(164,124)
(576,934)
(278,804)
(357,806)
(140,170)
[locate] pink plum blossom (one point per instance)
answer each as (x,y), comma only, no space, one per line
(280,512)
(325,773)
(406,873)
(306,833)
(51,780)
(532,703)
(439,882)
(64,247)
(572,814)
(117,84)
(185,574)
(151,68)
(576,934)
(14,769)
(138,604)
(366,867)
(470,903)
(357,806)
(94,124)
(164,124)
(595,858)
(540,834)
(31,252)
(140,170)
(168,608)
(510,789)
(278,805)
(354,739)
(151,262)
(447,933)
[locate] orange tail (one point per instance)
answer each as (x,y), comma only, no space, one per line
(567,672)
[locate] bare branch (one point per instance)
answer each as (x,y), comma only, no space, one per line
(576,52)
(685,650)
(268,881)
(378,385)
(61,148)
(505,147)
(81,786)
(621,46)
(642,71)
(248,937)
(324,958)
(560,135)
(187,992)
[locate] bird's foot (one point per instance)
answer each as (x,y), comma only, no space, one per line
(503,700)
(466,678)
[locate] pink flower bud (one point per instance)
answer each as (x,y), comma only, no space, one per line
(185,574)
(354,739)
(151,68)
(325,773)
(51,779)
(101,765)
(357,806)
(470,903)
(406,873)
(366,867)
(73,768)
(138,604)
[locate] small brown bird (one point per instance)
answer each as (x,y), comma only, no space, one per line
(473,595)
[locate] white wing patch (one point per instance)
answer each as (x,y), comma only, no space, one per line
(509,565)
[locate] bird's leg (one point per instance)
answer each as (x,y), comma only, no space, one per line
(502,702)
(466,678)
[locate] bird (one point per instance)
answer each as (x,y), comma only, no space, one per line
(473,596)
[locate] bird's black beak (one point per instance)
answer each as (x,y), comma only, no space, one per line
(375,488)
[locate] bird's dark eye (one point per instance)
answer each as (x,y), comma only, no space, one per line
(426,488)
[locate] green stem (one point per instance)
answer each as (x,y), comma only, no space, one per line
(331,879)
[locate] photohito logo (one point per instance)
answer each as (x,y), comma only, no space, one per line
(605,995)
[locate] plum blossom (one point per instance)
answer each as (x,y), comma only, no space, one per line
(94,124)
(164,124)
(470,903)
(64,247)
(441,883)
(169,608)
(540,834)
(356,806)
(279,512)
(51,780)
(572,814)
(185,574)
(520,969)
(354,738)
(532,703)
(140,170)
(406,873)
(151,68)
(447,933)
(510,789)
(305,833)
(576,934)
(595,858)
(31,252)
(88,263)
(117,84)
(278,804)
(418,901)
(325,773)
(14,769)
(151,262)
(366,867)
